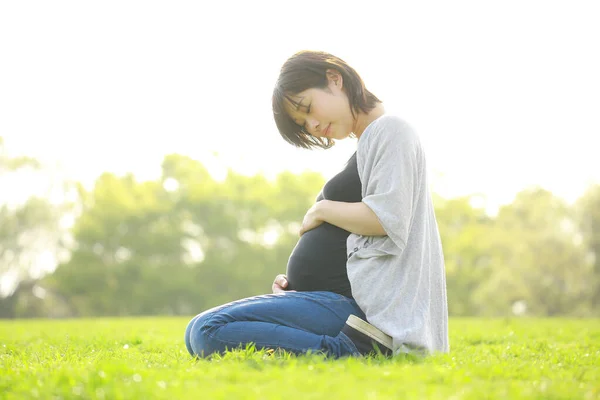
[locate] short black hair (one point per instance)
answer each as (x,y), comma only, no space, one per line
(306,70)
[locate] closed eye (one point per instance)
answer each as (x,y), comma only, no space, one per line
(307,113)
(303,125)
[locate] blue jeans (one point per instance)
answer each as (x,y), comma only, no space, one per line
(298,322)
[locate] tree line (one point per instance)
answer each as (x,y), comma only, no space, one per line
(185,242)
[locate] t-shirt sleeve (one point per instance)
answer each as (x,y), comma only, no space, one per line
(391,182)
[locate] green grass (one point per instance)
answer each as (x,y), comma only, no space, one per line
(146,358)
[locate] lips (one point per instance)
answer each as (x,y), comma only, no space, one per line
(326,133)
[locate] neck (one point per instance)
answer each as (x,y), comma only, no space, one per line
(363,120)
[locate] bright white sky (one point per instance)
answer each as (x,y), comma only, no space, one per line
(504,94)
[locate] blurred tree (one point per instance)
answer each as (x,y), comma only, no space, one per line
(244,227)
(466,238)
(30,234)
(539,266)
(187,242)
(127,243)
(588,216)
(182,243)
(11,163)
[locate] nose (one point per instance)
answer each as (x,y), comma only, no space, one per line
(312,125)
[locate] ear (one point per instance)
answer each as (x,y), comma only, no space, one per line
(334,78)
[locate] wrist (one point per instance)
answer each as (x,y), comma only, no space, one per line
(322,208)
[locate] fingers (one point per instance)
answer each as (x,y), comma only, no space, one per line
(279,284)
(304,228)
(281,280)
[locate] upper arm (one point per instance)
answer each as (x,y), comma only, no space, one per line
(391,183)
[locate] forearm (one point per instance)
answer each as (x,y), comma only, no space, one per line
(356,218)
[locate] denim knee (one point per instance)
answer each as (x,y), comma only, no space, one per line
(199,334)
(188,333)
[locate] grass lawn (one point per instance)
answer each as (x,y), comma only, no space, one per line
(145,358)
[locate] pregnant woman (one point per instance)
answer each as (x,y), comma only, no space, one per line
(368,271)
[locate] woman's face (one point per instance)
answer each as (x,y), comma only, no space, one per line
(323,112)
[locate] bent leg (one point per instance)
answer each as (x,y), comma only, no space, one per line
(295,321)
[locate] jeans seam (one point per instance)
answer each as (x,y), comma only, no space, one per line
(239,344)
(343,338)
(212,336)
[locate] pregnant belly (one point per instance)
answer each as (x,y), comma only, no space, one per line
(318,262)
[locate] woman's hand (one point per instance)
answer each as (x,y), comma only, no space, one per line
(280,283)
(312,219)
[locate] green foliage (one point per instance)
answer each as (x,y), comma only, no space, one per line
(186,242)
(545,266)
(467,244)
(30,233)
(26,232)
(11,163)
(145,358)
(180,244)
(527,259)
(588,218)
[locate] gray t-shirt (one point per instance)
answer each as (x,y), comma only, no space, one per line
(399,280)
